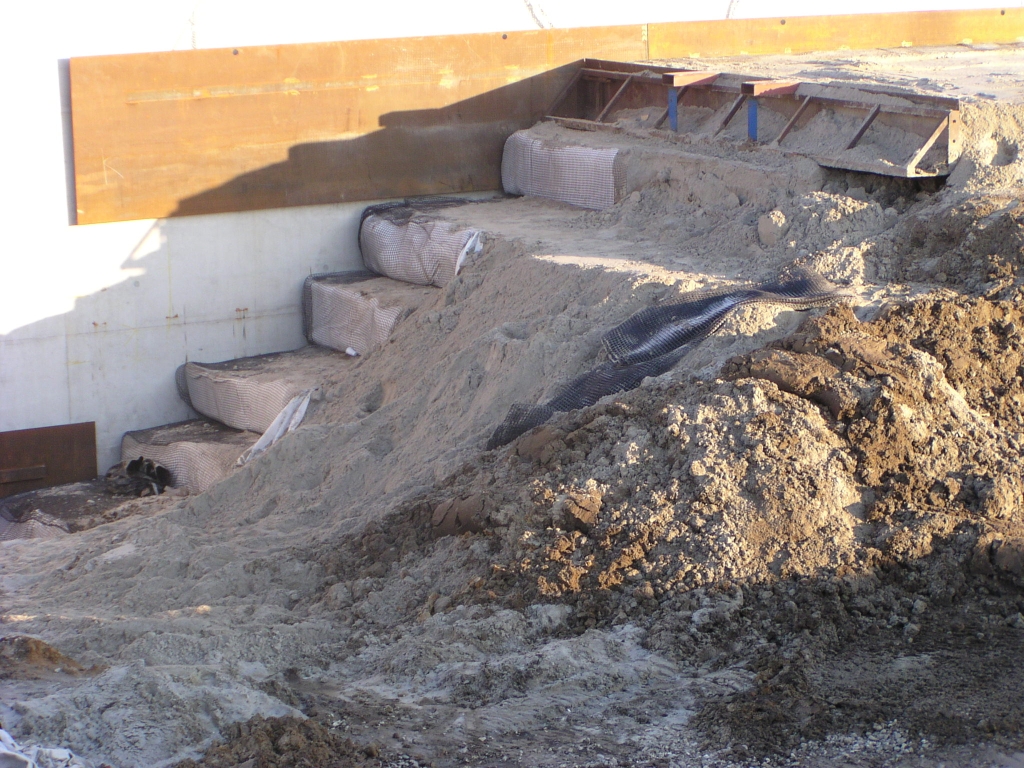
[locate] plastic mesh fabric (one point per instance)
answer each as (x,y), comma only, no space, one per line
(330,278)
(239,399)
(197,453)
(181,382)
(410,246)
(653,340)
(590,177)
(342,317)
(581,392)
(34,525)
(657,330)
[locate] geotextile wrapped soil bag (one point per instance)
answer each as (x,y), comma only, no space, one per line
(356,312)
(408,244)
(590,177)
(197,453)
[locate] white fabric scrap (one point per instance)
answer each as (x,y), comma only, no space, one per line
(288,419)
(13,756)
(474,245)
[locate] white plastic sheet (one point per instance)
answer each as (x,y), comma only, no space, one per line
(289,418)
(14,756)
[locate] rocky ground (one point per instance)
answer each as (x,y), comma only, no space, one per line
(802,547)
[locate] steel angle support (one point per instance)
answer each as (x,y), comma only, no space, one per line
(793,120)
(933,121)
(615,99)
(594,74)
(918,156)
(756,89)
(733,109)
(863,128)
(678,83)
(564,93)
(953,147)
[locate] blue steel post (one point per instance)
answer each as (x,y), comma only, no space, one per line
(752,119)
(673,109)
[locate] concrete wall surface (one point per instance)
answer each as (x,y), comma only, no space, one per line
(95,319)
(202,288)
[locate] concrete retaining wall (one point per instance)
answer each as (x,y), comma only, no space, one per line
(94,319)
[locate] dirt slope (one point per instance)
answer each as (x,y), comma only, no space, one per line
(803,546)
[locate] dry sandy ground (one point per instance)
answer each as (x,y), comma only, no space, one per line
(803,546)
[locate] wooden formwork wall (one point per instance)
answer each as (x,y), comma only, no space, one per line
(207,131)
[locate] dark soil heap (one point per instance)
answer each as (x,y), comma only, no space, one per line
(282,742)
(842,512)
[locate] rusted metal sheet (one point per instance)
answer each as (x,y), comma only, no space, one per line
(38,458)
(206,131)
(599,86)
(733,37)
(769,88)
(37,472)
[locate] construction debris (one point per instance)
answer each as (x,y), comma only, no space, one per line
(801,546)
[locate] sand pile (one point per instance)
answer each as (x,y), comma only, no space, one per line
(843,446)
(804,542)
(851,490)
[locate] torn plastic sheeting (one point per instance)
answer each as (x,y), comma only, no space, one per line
(14,756)
(288,419)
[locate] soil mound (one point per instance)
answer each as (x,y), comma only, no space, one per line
(282,742)
(29,658)
(852,492)
(805,540)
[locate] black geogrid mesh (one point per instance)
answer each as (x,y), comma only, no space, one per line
(657,330)
(581,392)
(653,340)
(403,211)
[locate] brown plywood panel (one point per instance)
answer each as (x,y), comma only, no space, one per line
(39,458)
(205,131)
(816,33)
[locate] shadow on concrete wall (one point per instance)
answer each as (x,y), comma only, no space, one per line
(210,288)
